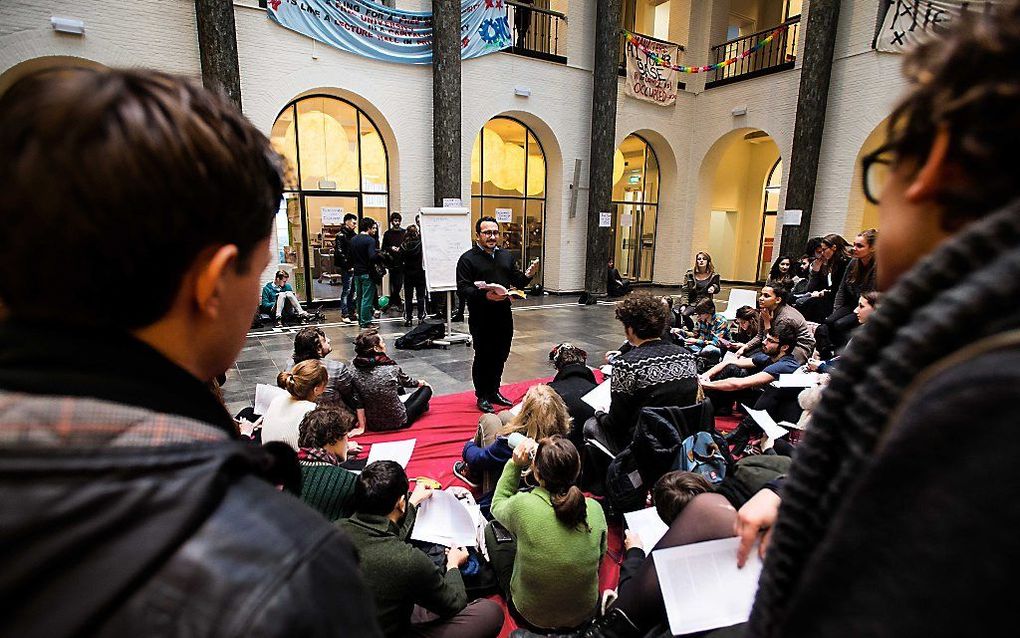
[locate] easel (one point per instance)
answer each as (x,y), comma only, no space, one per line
(451,336)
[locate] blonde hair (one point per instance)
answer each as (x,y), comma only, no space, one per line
(302,379)
(543,413)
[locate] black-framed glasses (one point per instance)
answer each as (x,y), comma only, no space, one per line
(875,172)
(491,233)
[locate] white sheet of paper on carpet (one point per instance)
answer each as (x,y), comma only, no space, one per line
(648,526)
(702,587)
(445,519)
(399,451)
(600,397)
(767,423)
(797,380)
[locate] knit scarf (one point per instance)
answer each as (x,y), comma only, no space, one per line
(937,308)
(310,455)
(371,360)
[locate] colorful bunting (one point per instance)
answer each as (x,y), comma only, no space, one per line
(659,61)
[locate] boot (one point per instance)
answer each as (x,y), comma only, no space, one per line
(614,624)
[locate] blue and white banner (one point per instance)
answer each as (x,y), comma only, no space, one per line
(377,31)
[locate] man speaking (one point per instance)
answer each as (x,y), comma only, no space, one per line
(491,322)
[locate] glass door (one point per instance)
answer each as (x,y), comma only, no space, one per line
(626,227)
(324,214)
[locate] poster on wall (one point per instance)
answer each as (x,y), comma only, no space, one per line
(648,80)
(332,215)
(907,22)
(376,31)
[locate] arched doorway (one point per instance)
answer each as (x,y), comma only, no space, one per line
(635,208)
(744,183)
(862,214)
(337,164)
(508,182)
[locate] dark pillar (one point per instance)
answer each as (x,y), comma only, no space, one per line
(445,99)
(217,46)
(603,136)
(815,72)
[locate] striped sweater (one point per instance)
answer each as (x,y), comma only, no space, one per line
(328,488)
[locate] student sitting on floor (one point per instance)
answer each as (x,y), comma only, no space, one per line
(378,380)
(323,437)
(710,331)
(304,384)
(775,311)
(278,298)
(312,343)
(542,414)
(549,571)
(866,305)
(744,329)
(573,380)
(401,576)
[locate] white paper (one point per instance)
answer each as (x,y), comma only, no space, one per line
(730,357)
(605,220)
(600,397)
(496,288)
(702,587)
(264,395)
(445,519)
(648,526)
(767,423)
(797,380)
(516,409)
(607,370)
(504,215)
(452,202)
(792,217)
(399,451)
(626,220)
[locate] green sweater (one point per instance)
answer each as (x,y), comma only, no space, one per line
(555,582)
(328,488)
(400,575)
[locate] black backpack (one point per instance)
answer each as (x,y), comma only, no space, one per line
(422,335)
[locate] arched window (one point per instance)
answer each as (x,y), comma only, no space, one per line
(508,183)
(636,207)
(336,164)
(770,211)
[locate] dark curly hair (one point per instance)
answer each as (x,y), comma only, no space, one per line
(968,83)
(645,314)
(325,426)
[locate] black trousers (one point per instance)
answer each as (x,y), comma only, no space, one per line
(834,332)
(723,400)
(396,283)
(417,404)
(492,330)
(414,286)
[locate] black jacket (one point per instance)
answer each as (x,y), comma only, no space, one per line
(128,506)
(342,250)
(498,268)
(571,383)
(413,268)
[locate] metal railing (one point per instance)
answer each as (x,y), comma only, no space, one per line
(623,54)
(535,30)
(778,55)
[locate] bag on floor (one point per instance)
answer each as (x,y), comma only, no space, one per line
(422,335)
(625,491)
(700,453)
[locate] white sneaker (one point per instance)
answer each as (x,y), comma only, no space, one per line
(377,314)
(346,320)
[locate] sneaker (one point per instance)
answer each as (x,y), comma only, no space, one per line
(346,320)
(278,324)
(377,314)
(463,471)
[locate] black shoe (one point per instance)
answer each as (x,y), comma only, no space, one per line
(463,471)
(485,406)
(499,399)
(407,323)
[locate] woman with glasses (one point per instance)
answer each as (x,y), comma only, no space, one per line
(834,332)
(882,529)
(831,257)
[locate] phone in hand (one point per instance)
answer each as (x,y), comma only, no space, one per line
(501,533)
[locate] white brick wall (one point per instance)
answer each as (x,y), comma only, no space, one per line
(278,66)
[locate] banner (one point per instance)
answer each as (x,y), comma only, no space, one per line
(377,31)
(908,22)
(648,79)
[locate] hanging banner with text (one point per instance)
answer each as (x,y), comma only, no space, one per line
(380,32)
(908,22)
(646,79)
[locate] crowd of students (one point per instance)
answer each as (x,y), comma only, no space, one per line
(130,506)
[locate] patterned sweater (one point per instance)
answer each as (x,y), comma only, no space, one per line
(378,390)
(709,333)
(656,373)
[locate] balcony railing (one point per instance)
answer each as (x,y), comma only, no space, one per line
(623,55)
(535,31)
(779,54)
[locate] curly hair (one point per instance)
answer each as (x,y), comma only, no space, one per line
(969,84)
(325,426)
(645,314)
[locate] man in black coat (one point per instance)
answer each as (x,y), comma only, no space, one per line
(490,322)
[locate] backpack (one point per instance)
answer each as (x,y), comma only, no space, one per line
(422,335)
(701,454)
(625,490)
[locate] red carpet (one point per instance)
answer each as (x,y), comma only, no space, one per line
(440,436)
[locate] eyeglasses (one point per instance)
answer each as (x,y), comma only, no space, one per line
(875,171)
(490,233)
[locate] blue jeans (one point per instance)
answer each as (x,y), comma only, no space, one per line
(347,294)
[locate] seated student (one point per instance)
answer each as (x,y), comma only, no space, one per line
(775,311)
(549,572)
(710,331)
(745,328)
(304,384)
(401,576)
(278,296)
(324,445)
(378,380)
(651,373)
(573,380)
(542,414)
(866,305)
(616,285)
(312,343)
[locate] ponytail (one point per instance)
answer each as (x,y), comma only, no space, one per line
(558,465)
(301,380)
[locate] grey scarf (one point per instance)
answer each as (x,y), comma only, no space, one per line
(940,306)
